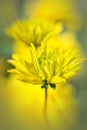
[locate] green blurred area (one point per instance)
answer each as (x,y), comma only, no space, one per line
(10,10)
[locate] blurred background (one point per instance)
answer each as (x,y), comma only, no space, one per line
(73,13)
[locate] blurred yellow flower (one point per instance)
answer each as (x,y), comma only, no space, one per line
(27,102)
(62,108)
(33,31)
(57,10)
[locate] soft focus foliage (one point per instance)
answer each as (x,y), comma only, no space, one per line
(8,11)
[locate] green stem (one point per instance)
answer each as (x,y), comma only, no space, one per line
(45,105)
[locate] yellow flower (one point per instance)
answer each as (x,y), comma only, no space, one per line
(52,65)
(33,31)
